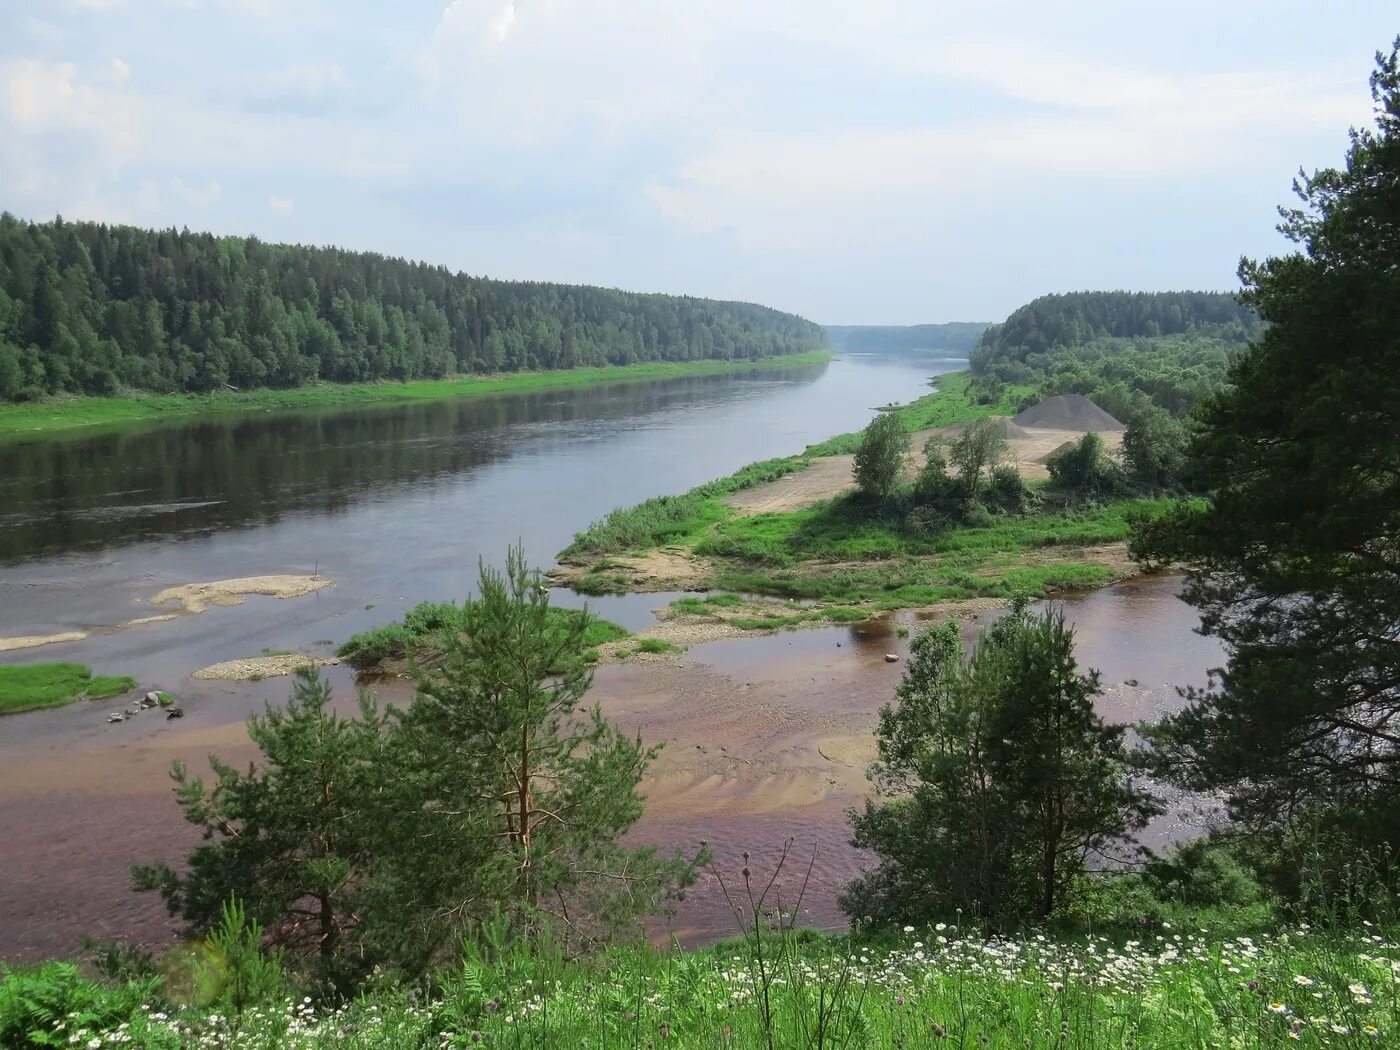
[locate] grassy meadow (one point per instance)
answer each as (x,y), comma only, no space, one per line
(1163,988)
(57,414)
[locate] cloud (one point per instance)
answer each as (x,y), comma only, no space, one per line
(281,205)
(99,118)
(196,196)
(1074,119)
(305,89)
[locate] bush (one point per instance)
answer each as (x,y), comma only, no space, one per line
(1007,493)
(1082,468)
(879,465)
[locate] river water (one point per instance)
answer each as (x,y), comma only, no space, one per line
(396,504)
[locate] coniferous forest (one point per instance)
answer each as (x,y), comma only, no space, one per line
(94,309)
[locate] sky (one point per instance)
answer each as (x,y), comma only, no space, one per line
(857,162)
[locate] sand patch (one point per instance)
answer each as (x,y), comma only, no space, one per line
(163,618)
(196,597)
(29,641)
(856,751)
(827,476)
(254,668)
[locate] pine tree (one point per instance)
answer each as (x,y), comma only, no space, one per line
(518,795)
(1294,560)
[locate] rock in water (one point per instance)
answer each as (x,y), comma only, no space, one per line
(891,658)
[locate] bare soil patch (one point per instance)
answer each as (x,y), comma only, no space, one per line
(826,477)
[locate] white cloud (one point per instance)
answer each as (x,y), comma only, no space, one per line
(44,97)
(281,205)
(121,72)
(196,196)
(310,81)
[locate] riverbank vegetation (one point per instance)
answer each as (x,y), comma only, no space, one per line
(33,686)
(889,542)
(60,413)
(427,631)
(87,308)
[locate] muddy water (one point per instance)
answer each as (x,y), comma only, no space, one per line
(766,743)
(767,738)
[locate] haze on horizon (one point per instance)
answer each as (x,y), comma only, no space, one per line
(875,163)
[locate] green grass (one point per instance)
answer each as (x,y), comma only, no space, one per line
(75,412)
(414,635)
(27,688)
(658,645)
(783,554)
(1162,988)
(689,517)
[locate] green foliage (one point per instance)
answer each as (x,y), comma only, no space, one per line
(96,309)
(42,1006)
(294,838)
(382,839)
(1293,559)
(32,686)
(1007,493)
(1122,350)
(657,645)
(995,782)
(881,457)
(427,626)
(512,798)
(1154,450)
(243,974)
(975,452)
(1157,988)
(1082,468)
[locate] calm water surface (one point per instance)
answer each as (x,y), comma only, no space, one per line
(396,504)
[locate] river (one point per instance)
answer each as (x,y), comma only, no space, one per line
(395,505)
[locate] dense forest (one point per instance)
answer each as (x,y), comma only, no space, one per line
(1122,349)
(96,309)
(954,335)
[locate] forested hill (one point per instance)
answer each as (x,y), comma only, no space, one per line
(96,309)
(1075,318)
(954,335)
(1125,350)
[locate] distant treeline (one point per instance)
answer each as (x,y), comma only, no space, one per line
(955,335)
(95,309)
(1124,350)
